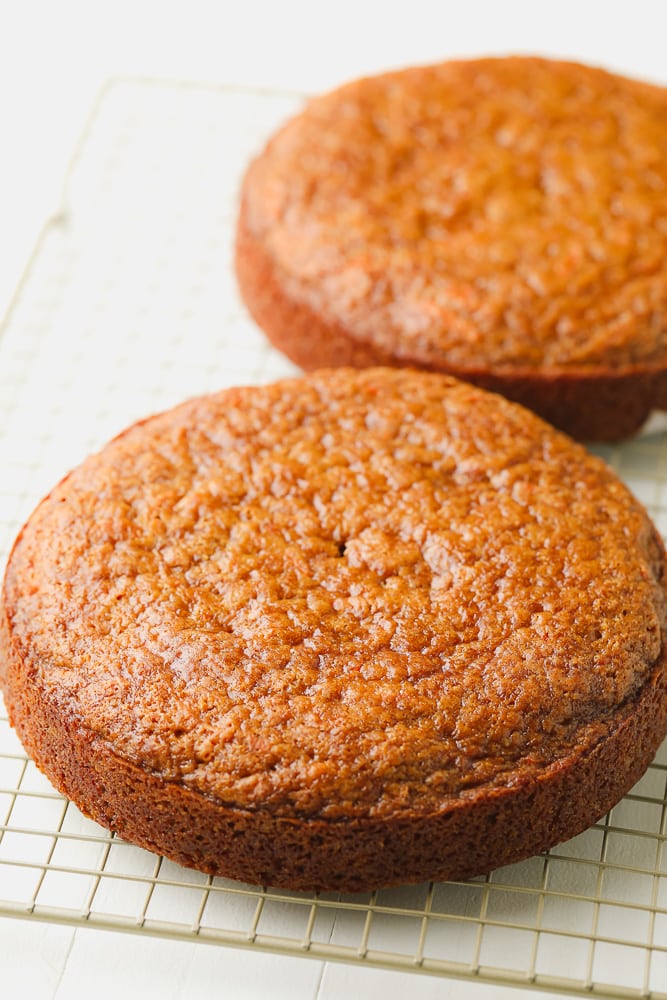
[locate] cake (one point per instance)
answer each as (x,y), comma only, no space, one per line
(354,629)
(503,220)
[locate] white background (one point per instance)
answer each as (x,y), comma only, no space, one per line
(54,57)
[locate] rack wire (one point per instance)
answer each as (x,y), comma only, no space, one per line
(128,305)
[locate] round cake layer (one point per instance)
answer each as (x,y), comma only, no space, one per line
(503,220)
(348,630)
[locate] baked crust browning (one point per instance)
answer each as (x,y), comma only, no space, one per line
(501,220)
(344,631)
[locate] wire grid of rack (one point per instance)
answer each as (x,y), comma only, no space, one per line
(128,306)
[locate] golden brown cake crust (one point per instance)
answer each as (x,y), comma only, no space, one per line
(504,220)
(341,631)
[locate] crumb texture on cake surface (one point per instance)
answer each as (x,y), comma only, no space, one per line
(506,212)
(360,594)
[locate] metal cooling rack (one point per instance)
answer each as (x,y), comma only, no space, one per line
(128,306)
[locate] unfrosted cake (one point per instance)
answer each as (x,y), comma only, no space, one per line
(349,630)
(503,220)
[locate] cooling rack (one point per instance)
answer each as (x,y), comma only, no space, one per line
(128,306)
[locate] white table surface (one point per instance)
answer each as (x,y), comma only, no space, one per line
(54,59)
